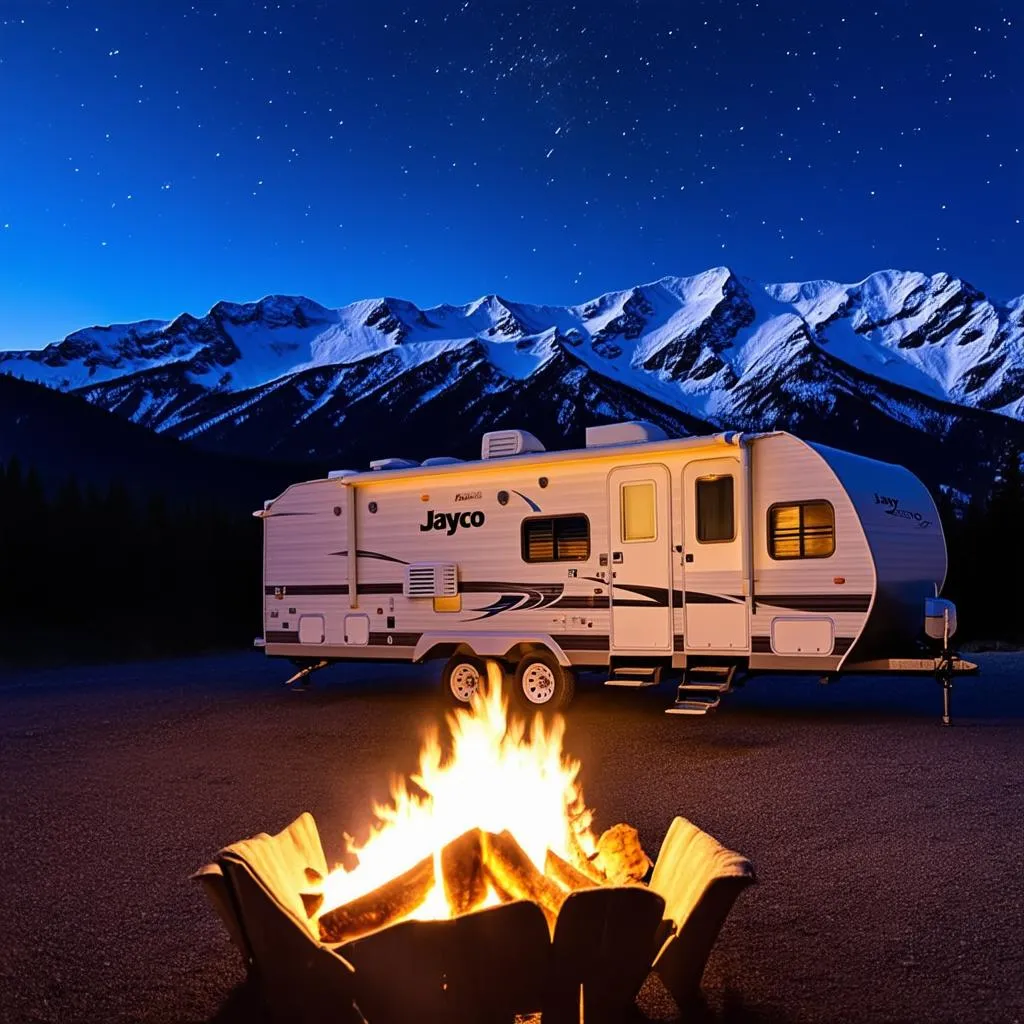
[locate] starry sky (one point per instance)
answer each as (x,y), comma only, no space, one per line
(157,157)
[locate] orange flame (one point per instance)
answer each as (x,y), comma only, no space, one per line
(498,776)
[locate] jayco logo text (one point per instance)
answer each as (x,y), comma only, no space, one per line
(451,521)
(893,509)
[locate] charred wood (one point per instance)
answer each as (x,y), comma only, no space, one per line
(515,877)
(385,905)
(562,871)
(462,872)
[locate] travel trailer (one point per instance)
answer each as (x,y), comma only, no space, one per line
(703,559)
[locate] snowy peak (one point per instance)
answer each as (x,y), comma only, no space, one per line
(714,348)
(938,334)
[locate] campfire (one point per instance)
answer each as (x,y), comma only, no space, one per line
(480,893)
(501,817)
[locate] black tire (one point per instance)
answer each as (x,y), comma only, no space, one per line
(456,676)
(542,684)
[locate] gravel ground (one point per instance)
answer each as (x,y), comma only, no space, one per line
(888,849)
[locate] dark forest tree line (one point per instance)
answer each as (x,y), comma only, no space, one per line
(106,572)
(87,572)
(985,540)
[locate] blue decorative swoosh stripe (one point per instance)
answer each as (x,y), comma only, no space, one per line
(532,504)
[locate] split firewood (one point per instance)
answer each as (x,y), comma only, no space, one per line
(562,871)
(515,877)
(621,857)
(387,904)
(462,871)
(581,861)
(312,901)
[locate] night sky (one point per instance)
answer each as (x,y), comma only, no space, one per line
(158,156)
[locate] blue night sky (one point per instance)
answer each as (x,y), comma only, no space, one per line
(159,156)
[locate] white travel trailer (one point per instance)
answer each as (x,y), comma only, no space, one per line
(640,554)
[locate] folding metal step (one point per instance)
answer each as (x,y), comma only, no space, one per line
(634,676)
(693,707)
(702,689)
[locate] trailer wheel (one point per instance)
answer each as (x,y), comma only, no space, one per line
(462,677)
(542,683)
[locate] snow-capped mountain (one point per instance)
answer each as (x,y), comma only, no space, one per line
(900,354)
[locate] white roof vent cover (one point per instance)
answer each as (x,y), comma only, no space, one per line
(630,432)
(379,464)
(431,579)
(499,444)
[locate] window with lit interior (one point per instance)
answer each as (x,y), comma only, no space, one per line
(716,519)
(556,539)
(805,529)
(639,520)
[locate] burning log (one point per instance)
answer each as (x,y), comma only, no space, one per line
(384,905)
(515,877)
(562,871)
(621,856)
(462,872)
(581,861)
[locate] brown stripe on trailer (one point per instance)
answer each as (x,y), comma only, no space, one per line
(581,641)
(582,601)
(305,589)
(818,602)
(329,589)
(393,639)
(281,636)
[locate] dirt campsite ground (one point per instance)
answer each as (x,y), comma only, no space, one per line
(888,849)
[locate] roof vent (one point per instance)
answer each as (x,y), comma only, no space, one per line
(499,444)
(440,460)
(630,432)
(338,474)
(393,464)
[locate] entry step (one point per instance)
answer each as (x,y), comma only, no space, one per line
(702,689)
(634,676)
(693,707)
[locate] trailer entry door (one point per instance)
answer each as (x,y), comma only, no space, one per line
(639,562)
(715,616)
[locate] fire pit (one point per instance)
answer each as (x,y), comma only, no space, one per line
(481,894)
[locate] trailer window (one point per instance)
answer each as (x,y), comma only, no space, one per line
(556,539)
(805,529)
(716,521)
(638,511)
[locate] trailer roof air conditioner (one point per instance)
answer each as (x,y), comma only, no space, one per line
(630,432)
(498,444)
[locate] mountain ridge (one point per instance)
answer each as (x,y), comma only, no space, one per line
(288,377)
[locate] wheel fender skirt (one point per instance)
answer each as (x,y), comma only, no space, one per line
(487,645)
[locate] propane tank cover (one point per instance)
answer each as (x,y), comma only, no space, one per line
(936,611)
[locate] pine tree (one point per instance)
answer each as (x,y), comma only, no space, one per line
(1001,568)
